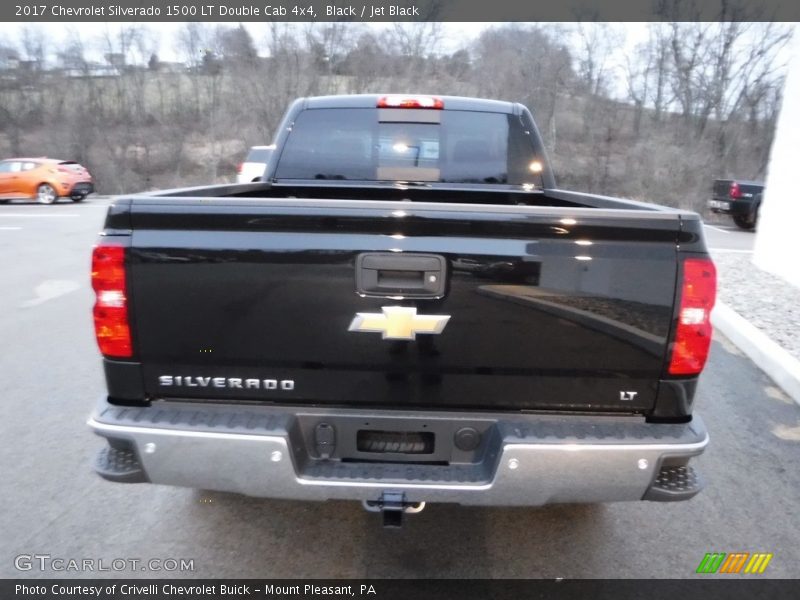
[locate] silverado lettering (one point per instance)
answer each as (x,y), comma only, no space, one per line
(576,328)
(225,382)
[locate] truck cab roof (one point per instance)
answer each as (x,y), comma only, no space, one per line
(371,101)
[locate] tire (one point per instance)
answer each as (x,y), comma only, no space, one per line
(46,194)
(78,197)
(746,222)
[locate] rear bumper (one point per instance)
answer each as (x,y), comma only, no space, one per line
(739,207)
(83,188)
(523,460)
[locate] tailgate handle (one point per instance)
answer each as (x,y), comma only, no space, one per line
(409,275)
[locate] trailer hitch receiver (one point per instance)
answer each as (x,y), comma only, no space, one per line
(392,505)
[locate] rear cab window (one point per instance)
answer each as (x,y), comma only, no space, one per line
(372,144)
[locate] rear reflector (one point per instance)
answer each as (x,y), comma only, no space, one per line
(111,305)
(410,102)
(693,333)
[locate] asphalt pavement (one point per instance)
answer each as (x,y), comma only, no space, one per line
(726,237)
(54,504)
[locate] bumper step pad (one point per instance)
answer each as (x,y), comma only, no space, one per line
(119,465)
(675,483)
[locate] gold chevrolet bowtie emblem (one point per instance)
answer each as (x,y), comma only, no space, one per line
(399,323)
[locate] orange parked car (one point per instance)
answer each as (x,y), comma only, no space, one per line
(43,179)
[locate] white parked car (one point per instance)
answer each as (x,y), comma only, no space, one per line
(253,166)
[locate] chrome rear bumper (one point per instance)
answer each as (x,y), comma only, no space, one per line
(526,459)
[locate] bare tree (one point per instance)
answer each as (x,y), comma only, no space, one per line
(329,44)
(366,64)
(687,44)
(77,106)
(237,46)
(413,40)
(524,64)
(696,100)
(647,74)
(597,42)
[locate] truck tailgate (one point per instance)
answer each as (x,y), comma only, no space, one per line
(550,308)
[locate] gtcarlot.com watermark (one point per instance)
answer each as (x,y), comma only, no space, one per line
(57,564)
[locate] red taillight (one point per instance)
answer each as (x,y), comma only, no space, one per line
(111,304)
(693,333)
(735,192)
(410,102)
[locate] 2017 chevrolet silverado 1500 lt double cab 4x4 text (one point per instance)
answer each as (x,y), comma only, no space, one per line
(404,310)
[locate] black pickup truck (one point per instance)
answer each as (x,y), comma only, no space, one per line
(405,309)
(739,198)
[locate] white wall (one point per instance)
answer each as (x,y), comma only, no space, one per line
(777,245)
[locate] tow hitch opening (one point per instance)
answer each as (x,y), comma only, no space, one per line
(392,505)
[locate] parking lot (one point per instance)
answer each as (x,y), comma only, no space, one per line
(55,505)
(726,237)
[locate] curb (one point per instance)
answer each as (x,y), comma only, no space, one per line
(776,362)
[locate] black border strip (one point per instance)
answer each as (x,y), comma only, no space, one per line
(741,587)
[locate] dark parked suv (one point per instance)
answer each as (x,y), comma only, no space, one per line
(739,198)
